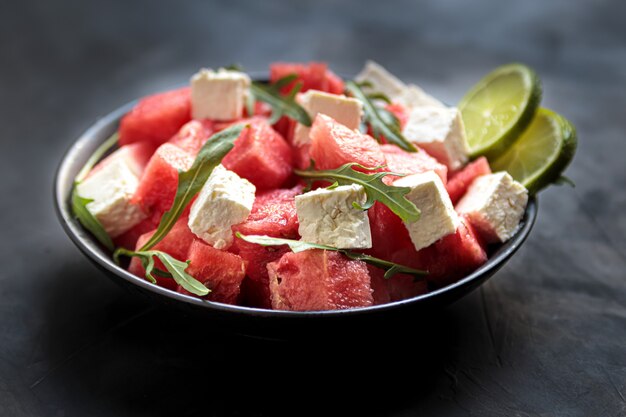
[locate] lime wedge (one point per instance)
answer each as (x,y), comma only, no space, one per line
(541,154)
(498,108)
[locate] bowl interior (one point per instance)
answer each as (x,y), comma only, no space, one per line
(79,152)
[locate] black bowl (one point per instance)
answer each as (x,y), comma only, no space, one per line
(253,321)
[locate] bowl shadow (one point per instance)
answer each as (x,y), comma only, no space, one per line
(116,354)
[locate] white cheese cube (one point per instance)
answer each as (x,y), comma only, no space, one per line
(439,131)
(345,110)
(327,217)
(225,200)
(382,80)
(218,95)
(495,205)
(111,187)
(438,218)
(413,96)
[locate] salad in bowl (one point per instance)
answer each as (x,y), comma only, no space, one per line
(308,192)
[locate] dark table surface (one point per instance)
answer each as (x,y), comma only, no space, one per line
(545,337)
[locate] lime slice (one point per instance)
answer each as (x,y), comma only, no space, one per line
(498,108)
(541,154)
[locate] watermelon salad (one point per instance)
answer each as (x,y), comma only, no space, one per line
(307,192)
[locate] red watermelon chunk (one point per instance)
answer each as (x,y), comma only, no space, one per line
(313,76)
(285,126)
(400,112)
(221,272)
(333,145)
(176,243)
(136,156)
(157,187)
(403,162)
(261,109)
(319,280)
(450,258)
(260,155)
(273,214)
(129,239)
(156,118)
(389,235)
(461,180)
(446,260)
(399,287)
(193,135)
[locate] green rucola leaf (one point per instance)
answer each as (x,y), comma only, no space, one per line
(563,180)
(296,246)
(281,105)
(88,220)
(191,181)
(175,269)
(382,122)
(375,189)
(379,96)
(79,204)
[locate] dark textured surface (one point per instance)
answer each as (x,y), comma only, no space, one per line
(545,337)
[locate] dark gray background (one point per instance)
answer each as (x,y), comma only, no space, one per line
(545,337)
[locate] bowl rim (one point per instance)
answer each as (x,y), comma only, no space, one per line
(75,154)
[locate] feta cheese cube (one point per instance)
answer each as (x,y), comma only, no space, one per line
(345,110)
(225,200)
(413,96)
(438,218)
(111,187)
(439,131)
(495,205)
(384,82)
(327,217)
(218,95)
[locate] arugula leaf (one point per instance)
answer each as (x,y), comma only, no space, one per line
(191,181)
(281,105)
(79,204)
(380,119)
(375,189)
(296,246)
(88,220)
(563,180)
(175,269)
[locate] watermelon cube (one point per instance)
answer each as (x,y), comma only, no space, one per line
(389,234)
(461,180)
(333,145)
(319,280)
(396,288)
(193,135)
(156,118)
(129,239)
(260,155)
(446,260)
(313,76)
(401,113)
(176,243)
(273,214)
(158,184)
(403,162)
(221,272)
(135,155)
(450,258)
